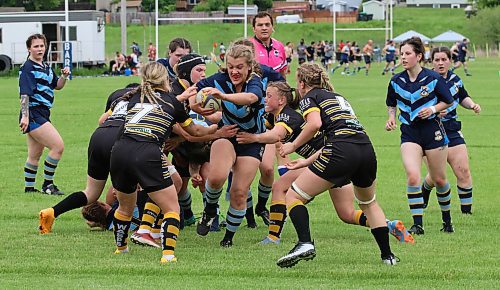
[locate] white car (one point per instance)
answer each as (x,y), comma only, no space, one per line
(295,18)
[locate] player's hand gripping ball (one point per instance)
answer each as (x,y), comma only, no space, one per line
(207,101)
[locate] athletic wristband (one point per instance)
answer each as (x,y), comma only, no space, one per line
(433,109)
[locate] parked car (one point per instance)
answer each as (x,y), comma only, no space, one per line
(294,18)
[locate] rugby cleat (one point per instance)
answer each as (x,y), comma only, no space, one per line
(448,228)
(390,260)
(226,243)
(144,239)
(31,190)
(264,214)
(205,224)
(301,251)
(416,230)
(51,189)
(123,251)
(46,220)
(168,259)
(398,230)
(267,240)
(189,221)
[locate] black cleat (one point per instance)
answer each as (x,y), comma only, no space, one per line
(204,225)
(301,251)
(31,190)
(448,228)
(226,243)
(51,189)
(252,224)
(467,212)
(264,214)
(390,260)
(416,230)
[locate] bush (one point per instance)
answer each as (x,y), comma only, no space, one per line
(485,25)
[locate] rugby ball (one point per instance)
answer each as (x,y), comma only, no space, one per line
(207,101)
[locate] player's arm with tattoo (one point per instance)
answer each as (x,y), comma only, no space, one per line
(24,113)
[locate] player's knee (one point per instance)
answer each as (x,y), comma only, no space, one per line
(413,178)
(347,216)
(464,176)
(440,181)
(239,197)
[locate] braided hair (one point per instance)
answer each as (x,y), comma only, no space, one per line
(284,89)
(314,76)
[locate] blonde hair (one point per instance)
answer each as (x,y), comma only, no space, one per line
(314,76)
(154,76)
(242,51)
(285,90)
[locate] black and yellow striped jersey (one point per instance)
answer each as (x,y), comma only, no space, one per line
(148,122)
(337,116)
(293,122)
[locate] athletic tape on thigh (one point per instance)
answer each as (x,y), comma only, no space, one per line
(171,169)
(365,202)
(300,192)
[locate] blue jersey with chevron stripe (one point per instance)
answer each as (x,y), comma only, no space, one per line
(428,89)
(457,90)
(37,81)
(247,117)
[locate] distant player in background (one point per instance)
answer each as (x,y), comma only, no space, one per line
(301,52)
(367,56)
(222,51)
(462,52)
(37,82)
(390,57)
(151,52)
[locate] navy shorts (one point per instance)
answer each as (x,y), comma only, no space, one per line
(344,162)
(461,58)
(368,59)
(255,150)
(429,134)
(454,133)
(389,59)
(39,115)
(134,162)
(99,151)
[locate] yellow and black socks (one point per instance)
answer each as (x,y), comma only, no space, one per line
(233,219)
(29,176)
(360,218)
(300,218)
(465,195)
(121,225)
(74,200)
(169,233)
(381,236)
(444,199)
(149,216)
(277,218)
(264,192)
(416,202)
(49,169)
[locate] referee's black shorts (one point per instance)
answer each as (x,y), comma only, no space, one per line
(344,162)
(143,163)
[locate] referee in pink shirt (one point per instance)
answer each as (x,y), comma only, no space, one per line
(268,50)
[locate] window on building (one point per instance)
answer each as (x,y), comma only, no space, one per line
(72,33)
(193,2)
(436,5)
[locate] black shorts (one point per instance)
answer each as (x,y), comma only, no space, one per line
(99,151)
(454,133)
(301,60)
(429,134)
(181,164)
(343,162)
(368,59)
(461,58)
(357,57)
(255,150)
(39,115)
(351,58)
(142,163)
(289,60)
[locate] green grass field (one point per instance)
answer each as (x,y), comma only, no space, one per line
(347,256)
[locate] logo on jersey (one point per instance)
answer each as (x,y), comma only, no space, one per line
(424,91)
(283,118)
(438,136)
(276,53)
(304,104)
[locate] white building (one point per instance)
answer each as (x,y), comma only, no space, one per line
(239,10)
(376,8)
(340,5)
(86,33)
(438,3)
